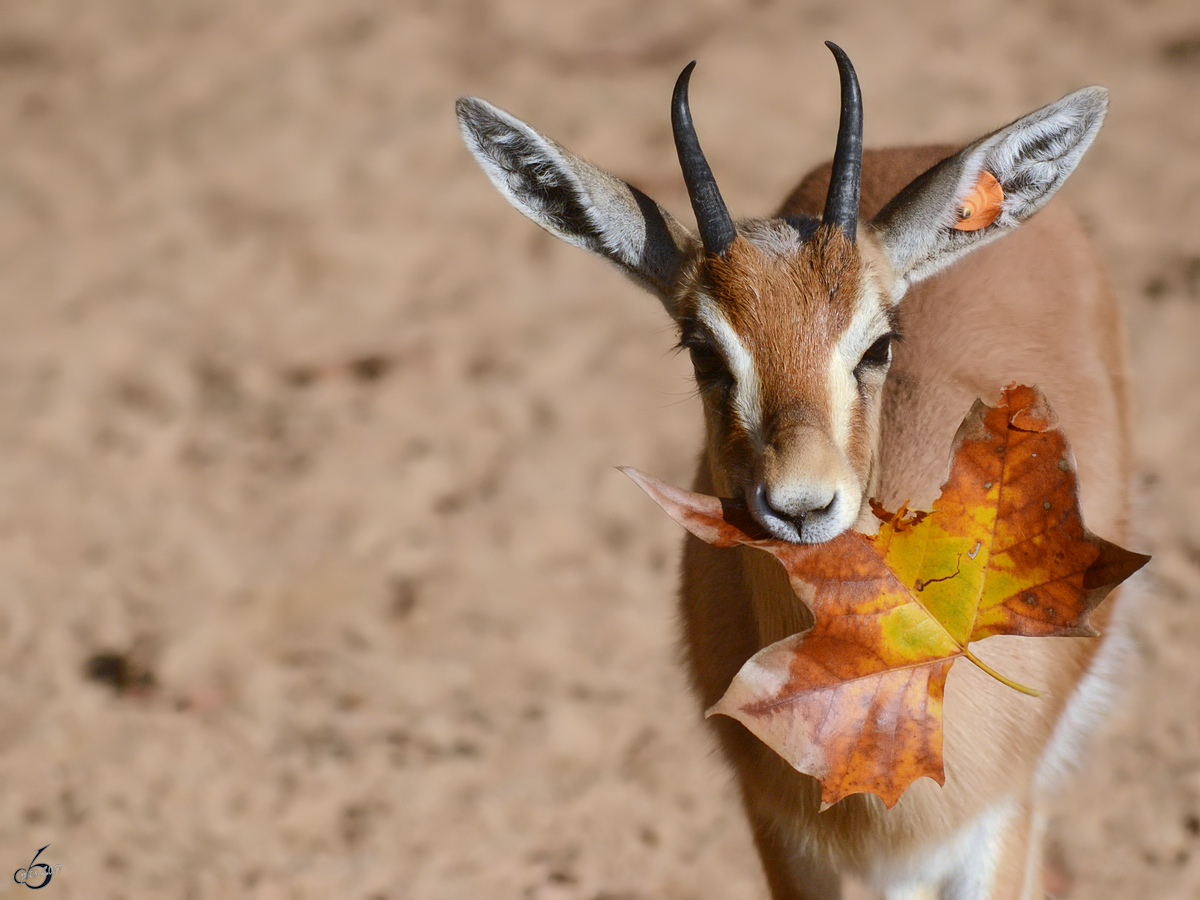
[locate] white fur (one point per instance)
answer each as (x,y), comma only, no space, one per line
(747,399)
(867,326)
(1033,856)
(962,868)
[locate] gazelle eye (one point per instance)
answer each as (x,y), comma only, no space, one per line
(878,354)
(710,367)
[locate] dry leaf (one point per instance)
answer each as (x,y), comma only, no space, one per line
(856,701)
(982,205)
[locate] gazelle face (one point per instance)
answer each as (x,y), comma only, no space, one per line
(790,339)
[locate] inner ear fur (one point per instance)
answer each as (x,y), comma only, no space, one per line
(1029,159)
(575,200)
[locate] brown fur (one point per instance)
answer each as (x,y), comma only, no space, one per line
(772,300)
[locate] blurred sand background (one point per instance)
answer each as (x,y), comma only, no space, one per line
(314,436)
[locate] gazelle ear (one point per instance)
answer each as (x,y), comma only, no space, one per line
(988,189)
(575,200)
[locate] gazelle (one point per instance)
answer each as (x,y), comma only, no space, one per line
(837,346)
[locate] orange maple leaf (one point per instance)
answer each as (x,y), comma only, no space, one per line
(856,701)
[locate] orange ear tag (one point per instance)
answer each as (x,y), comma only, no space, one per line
(981,207)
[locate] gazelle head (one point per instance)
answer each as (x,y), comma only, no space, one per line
(789,321)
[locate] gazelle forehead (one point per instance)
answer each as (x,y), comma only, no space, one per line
(786,297)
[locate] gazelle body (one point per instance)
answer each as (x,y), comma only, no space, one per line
(812,406)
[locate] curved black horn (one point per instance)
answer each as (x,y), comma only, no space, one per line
(712,217)
(841,203)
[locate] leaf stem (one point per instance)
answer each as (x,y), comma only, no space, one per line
(1008,681)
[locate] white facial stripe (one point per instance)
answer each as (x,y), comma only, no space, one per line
(747,402)
(843,394)
(868,323)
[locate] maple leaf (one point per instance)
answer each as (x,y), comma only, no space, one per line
(856,701)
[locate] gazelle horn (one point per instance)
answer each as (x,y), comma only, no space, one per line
(841,203)
(712,217)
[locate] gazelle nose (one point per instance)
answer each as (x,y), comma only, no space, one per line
(798,505)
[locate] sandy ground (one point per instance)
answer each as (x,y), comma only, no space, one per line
(300,421)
